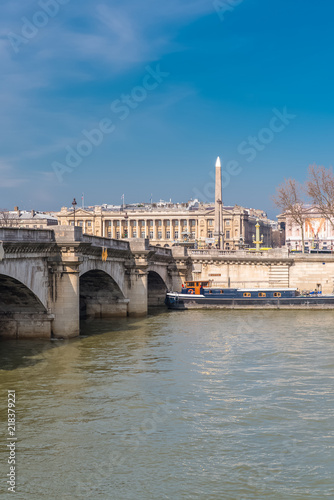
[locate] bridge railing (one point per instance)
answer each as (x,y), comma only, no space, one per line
(161,250)
(214,252)
(98,241)
(27,235)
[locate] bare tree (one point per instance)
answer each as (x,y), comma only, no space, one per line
(320,188)
(7,219)
(289,198)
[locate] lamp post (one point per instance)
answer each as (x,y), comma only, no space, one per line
(74,204)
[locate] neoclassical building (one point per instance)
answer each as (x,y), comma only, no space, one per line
(318,231)
(170,224)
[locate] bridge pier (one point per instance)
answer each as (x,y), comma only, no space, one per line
(137,292)
(25,325)
(65,300)
(99,308)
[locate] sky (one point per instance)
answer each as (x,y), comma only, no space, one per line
(139,98)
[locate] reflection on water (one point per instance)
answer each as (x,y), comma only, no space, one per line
(178,405)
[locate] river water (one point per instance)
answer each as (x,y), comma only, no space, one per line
(233,405)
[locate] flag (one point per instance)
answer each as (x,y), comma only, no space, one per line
(104,254)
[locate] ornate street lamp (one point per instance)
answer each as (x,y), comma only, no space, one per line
(74,204)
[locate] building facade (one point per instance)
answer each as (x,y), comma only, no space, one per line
(30,219)
(169,225)
(318,231)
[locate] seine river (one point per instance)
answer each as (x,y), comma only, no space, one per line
(233,405)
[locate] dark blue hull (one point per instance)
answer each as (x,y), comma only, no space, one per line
(183,302)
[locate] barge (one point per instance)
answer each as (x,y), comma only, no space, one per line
(202,295)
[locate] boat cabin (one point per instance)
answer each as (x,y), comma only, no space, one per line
(205,289)
(194,287)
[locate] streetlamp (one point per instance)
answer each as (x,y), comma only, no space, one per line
(74,204)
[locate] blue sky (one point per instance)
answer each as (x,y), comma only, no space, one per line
(225,79)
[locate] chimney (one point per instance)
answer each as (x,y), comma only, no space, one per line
(17,210)
(32,213)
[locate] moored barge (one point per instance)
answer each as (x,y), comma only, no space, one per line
(200,295)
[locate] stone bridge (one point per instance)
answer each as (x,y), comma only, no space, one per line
(49,279)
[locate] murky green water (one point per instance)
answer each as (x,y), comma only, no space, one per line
(180,405)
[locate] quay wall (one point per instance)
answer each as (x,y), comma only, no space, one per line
(274,270)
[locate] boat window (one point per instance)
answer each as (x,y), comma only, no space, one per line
(221,291)
(210,291)
(247,294)
(262,294)
(277,294)
(190,283)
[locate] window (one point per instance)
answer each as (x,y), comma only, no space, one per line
(71,223)
(168,235)
(228,222)
(151,222)
(159,223)
(109,234)
(89,223)
(142,223)
(159,235)
(118,223)
(109,223)
(134,223)
(80,223)
(143,234)
(262,294)
(135,234)
(228,235)
(176,234)
(247,294)
(167,223)
(277,294)
(221,291)
(209,234)
(193,222)
(192,236)
(210,222)
(151,235)
(176,223)
(117,235)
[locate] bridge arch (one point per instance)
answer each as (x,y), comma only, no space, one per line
(22,314)
(100,296)
(156,289)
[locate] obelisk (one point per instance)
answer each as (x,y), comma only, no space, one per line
(218,206)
